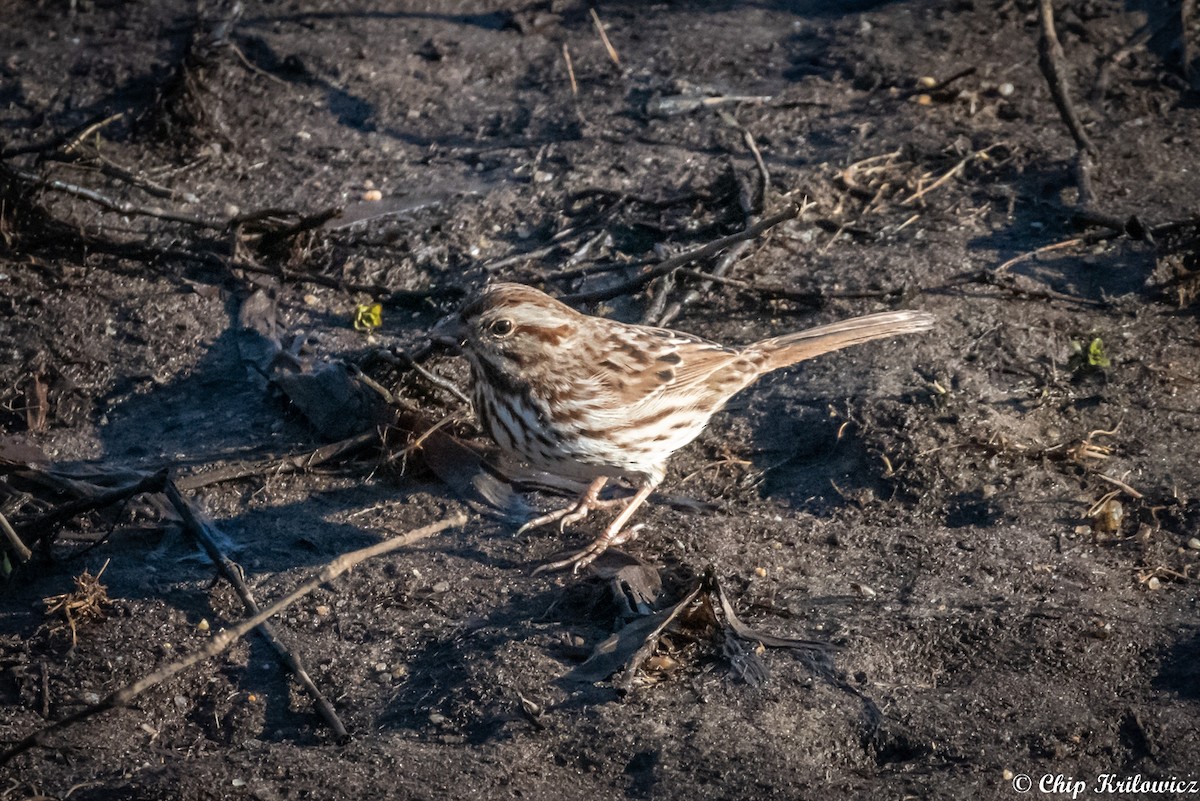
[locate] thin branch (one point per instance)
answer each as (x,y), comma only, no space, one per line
(608,48)
(402,359)
(1116,482)
(203,533)
(730,257)
(948,175)
(752,145)
(1133,228)
(684,259)
(942,84)
(119,206)
(557,241)
(68,141)
(113,170)
(223,640)
(1051,61)
(566,51)
(43,527)
(294,463)
(1186,9)
(19,548)
(254,67)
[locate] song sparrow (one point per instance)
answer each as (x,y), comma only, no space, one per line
(592,399)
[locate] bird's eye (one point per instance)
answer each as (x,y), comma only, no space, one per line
(501,328)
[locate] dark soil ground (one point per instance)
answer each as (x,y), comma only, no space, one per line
(920,505)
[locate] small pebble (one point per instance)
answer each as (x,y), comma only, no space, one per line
(1154,583)
(372,195)
(661,662)
(1194,544)
(1007,89)
(381,667)
(203,624)
(437,718)
(1007,775)
(1107,519)
(239,782)
(322,610)
(542,177)
(91,698)
(928,81)
(305,135)
(181,703)
(311,300)
(441,586)
(924,100)
(863,589)
(369,184)
(761,572)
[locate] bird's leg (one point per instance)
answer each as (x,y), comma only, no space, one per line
(613,534)
(572,513)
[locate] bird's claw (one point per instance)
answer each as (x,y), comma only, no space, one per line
(576,561)
(581,559)
(565,517)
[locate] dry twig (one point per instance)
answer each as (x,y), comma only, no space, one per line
(116,206)
(222,641)
(566,51)
(43,527)
(684,259)
(948,175)
(294,463)
(86,602)
(20,550)
(1051,61)
(201,531)
(608,48)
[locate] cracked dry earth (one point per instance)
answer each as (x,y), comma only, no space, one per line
(919,505)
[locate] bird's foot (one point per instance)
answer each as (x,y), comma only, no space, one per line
(574,512)
(581,559)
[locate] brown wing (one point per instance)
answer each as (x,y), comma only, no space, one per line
(647,362)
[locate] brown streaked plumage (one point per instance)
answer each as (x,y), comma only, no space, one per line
(592,399)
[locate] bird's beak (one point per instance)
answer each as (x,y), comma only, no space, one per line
(449,333)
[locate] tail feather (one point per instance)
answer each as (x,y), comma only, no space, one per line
(791,348)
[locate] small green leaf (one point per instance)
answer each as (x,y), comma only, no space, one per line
(1096,356)
(368,317)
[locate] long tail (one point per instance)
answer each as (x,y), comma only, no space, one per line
(792,348)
